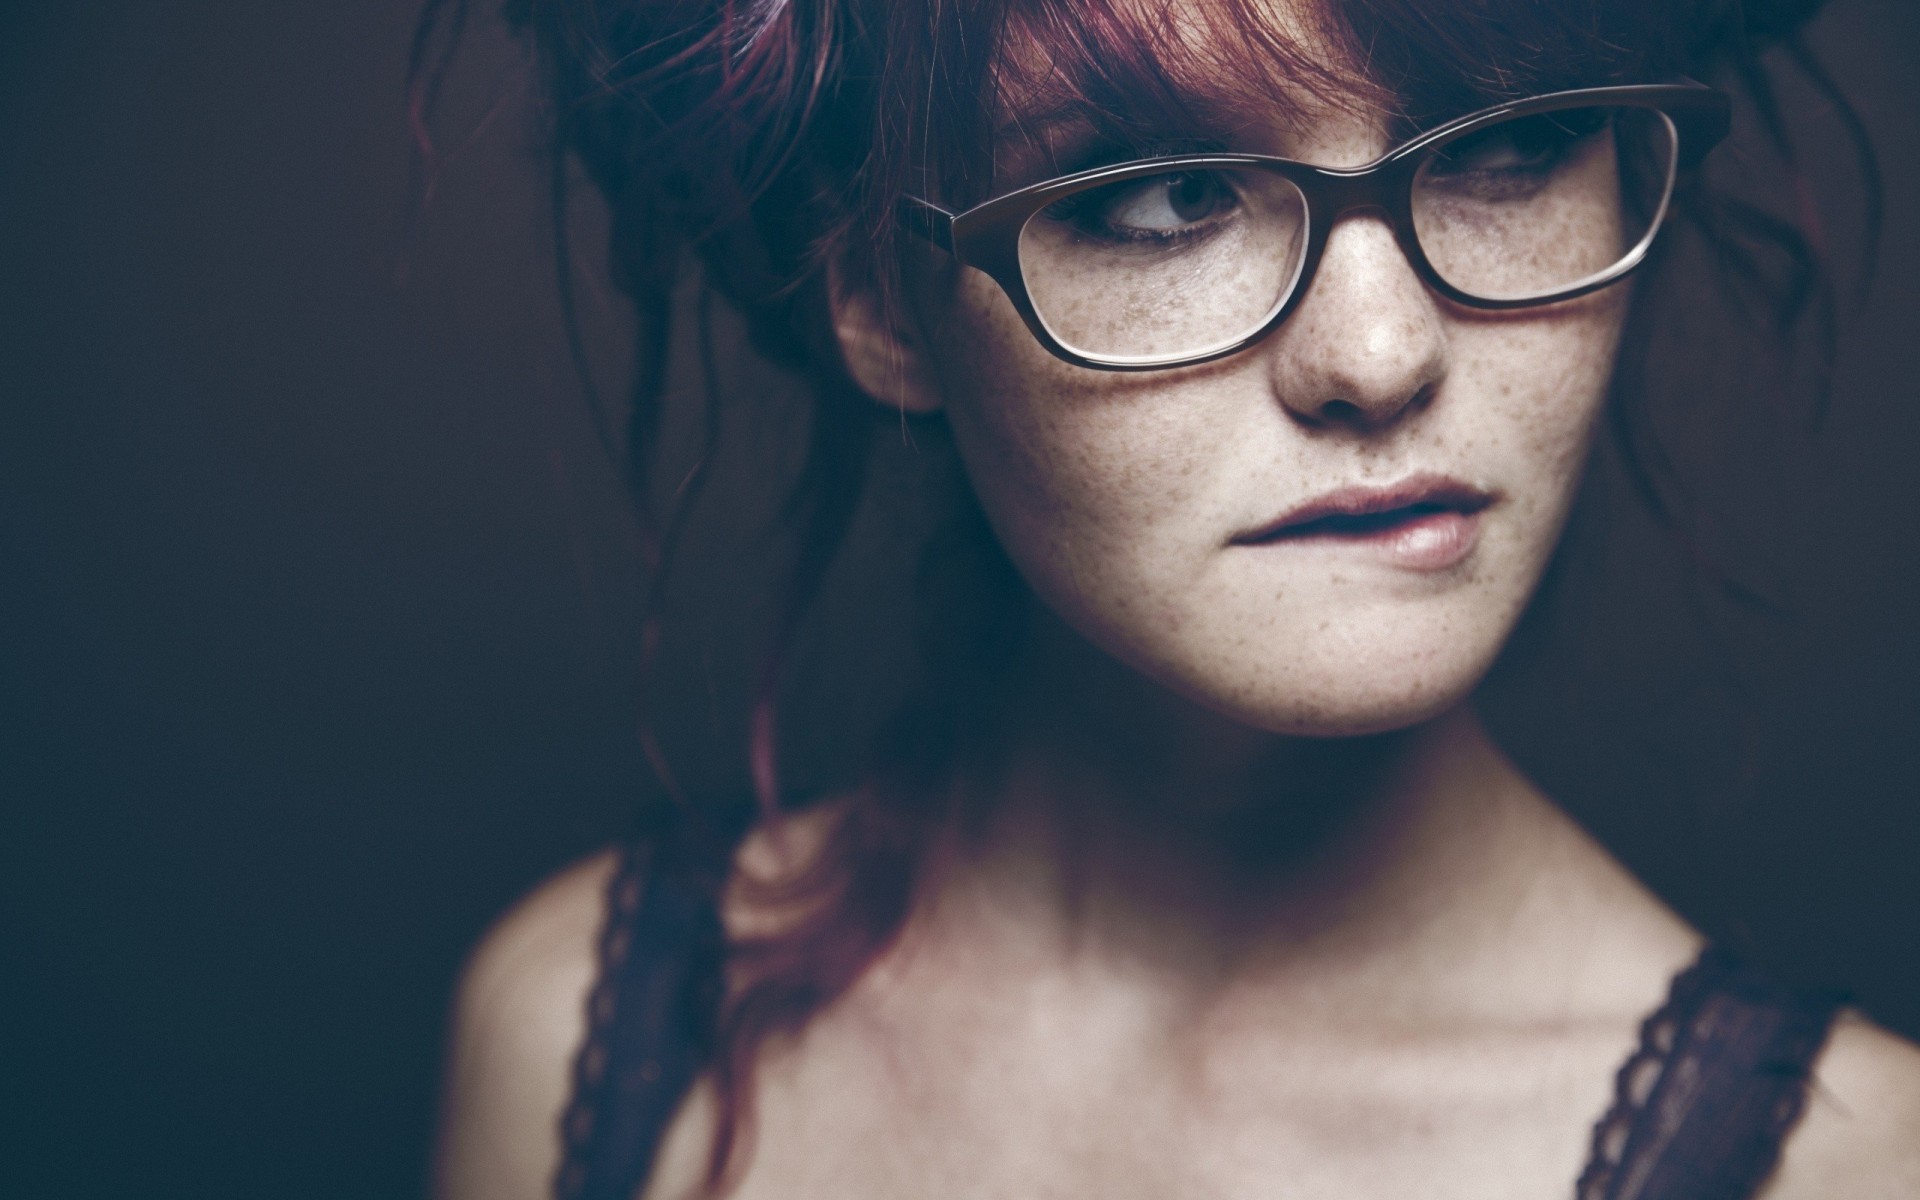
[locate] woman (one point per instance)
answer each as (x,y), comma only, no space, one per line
(1270,338)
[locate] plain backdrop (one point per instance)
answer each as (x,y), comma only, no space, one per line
(318,595)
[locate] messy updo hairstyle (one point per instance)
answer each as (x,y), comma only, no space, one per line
(760,146)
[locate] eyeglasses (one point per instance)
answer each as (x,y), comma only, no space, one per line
(1167,262)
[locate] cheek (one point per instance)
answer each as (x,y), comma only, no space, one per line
(1083,474)
(1539,386)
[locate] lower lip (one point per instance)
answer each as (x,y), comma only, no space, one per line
(1430,542)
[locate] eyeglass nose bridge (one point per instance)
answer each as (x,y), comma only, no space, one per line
(1332,194)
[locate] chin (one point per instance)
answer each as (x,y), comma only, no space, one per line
(1343,690)
(1347,654)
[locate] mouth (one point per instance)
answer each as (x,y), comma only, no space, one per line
(1426,522)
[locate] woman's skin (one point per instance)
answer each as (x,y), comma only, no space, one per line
(1254,907)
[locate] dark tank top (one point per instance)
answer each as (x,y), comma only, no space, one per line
(1699,1112)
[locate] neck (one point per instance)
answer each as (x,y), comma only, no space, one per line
(1142,835)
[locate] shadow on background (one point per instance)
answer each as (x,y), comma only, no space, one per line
(318,598)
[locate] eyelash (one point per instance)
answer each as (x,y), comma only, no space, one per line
(1070,210)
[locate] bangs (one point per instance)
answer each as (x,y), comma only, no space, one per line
(1146,73)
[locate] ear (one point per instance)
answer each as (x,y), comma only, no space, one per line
(883,351)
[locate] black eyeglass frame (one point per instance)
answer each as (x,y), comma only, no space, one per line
(987,236)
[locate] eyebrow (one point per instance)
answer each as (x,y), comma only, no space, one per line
(1076,112)
(1067,139)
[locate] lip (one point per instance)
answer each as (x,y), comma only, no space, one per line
(1424,522)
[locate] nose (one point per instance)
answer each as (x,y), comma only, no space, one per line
(1368,340)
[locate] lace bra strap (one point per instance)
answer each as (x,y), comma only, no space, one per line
(648,1022)
(1702,1107)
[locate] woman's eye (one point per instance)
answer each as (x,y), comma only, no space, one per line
(1528,146)
(1172,201)
(1151,209)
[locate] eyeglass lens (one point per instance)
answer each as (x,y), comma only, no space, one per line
(1185,262)
(1542,204)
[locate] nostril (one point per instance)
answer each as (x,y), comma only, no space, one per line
(1342,412)
(1358,414)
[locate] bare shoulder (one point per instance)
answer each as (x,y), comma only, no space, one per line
(1859,1138)
(519,1017)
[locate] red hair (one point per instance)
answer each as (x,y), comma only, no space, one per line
(770,138)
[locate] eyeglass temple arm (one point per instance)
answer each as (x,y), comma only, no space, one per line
(928,220)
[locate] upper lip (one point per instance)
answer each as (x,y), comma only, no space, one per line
(1441,492)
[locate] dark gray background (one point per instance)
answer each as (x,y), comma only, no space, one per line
(318,595)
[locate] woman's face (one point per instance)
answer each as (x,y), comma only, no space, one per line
(1141,507)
